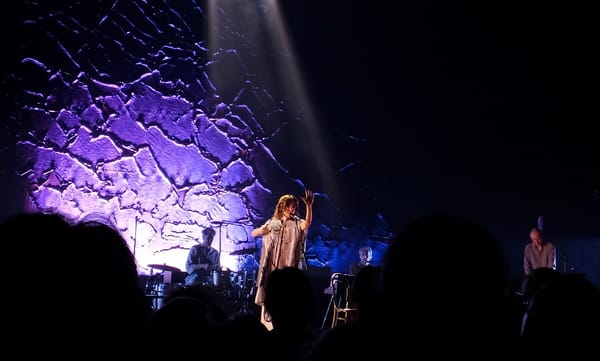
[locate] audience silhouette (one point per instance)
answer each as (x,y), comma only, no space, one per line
(449,291)
(562,321)
(291,305)
(243,336)
(443,283)
(366,290)
(207,295)
(179,330)
(78,298)
(440,293)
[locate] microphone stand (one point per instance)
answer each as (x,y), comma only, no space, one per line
(220,225)
(220,243)
(565,261)
(135,236)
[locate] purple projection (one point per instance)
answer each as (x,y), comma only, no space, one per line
(126,121)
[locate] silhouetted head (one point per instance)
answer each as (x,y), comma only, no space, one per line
(78,285)
(442,255)
(365,292)
(536,279)
(446,277)
(206,295)
(289,298)
(564,310)
(178,330)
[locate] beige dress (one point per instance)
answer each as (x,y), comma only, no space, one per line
(282,247)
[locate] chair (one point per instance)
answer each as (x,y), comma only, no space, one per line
(341,290)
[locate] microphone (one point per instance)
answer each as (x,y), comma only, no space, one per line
(294,217)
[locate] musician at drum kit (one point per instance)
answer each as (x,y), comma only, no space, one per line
(202,259)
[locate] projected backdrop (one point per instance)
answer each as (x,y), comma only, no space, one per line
(165,119)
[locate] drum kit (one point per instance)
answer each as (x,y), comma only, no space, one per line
(158,284)
(237,285)
(231,286)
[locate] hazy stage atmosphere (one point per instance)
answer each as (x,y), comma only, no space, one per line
(169,117)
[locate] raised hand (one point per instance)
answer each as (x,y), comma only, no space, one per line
(308,198)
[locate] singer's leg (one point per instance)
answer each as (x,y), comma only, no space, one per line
(265,318)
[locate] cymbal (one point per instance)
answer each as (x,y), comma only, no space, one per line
(243,251)
(164,267)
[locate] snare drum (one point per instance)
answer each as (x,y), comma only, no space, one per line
(238,279)
(153,285)
(156,292)
(221,278)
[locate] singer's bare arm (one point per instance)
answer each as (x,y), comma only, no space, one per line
(260,231)
(308,200)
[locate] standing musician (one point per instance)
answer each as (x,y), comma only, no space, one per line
(283,242)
